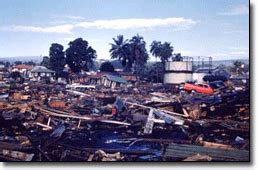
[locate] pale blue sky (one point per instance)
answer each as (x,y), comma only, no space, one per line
(217,28)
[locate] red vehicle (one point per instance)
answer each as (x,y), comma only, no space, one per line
(199,88)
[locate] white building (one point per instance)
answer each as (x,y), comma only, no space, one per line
(23,69)
(40,73)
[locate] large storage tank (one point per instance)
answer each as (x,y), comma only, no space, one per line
(177,72)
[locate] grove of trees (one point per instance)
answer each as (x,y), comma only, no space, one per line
(107,67)
(78,56)
(132,53)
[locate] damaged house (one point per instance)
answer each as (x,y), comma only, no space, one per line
(42,73)
(112,81)
(106,79)
(23,69)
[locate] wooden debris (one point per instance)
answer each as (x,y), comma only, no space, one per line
(183,151)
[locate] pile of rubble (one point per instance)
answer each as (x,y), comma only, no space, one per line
(146,122)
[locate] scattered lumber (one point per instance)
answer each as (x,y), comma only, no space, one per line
(184,150)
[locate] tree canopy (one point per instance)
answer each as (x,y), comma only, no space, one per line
(56,58)
(45,62)
(120,49)
(177,57)
(162,50)
(139,53)
(130,52)
(107,67)
(80,56)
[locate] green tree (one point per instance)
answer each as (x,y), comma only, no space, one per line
(156,72)
(139,53)
(17,62)
(45,62)
(120,49)
(163,51)
(107,67)
(29,63)
(80,56)
(177,57)
(56,58)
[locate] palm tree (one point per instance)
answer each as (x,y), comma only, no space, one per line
(163,51)
(121,50)
(166,52)
(177,57)
(139,53)
(155,48)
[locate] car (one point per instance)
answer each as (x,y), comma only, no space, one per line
(199,88)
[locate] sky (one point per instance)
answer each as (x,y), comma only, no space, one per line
(216,28)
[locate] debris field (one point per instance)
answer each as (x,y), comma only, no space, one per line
(144,122)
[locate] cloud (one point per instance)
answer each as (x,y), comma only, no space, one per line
(70,17)
(75,17)
(65,19)
(68,38)
(239,48)
(117,24)
(237,10)
(137,23)
(238,53)
(67,29)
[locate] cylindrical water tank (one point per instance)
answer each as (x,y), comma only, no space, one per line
(177,72)
(178,66)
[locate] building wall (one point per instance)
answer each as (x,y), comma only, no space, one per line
(177,72)
(38,76)
(177,78)
(178,66)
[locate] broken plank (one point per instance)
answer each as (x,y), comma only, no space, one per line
(184,150)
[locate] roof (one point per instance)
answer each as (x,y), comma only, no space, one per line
(128,76)
(98,75)
(23,66)
(41,69)
(115,78)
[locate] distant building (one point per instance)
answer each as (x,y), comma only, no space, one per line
(107,79)
(4,74)
(23,69)
(128,76)
(42,73)
(96,78)
(112,81)
(79,78)
(199,74)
